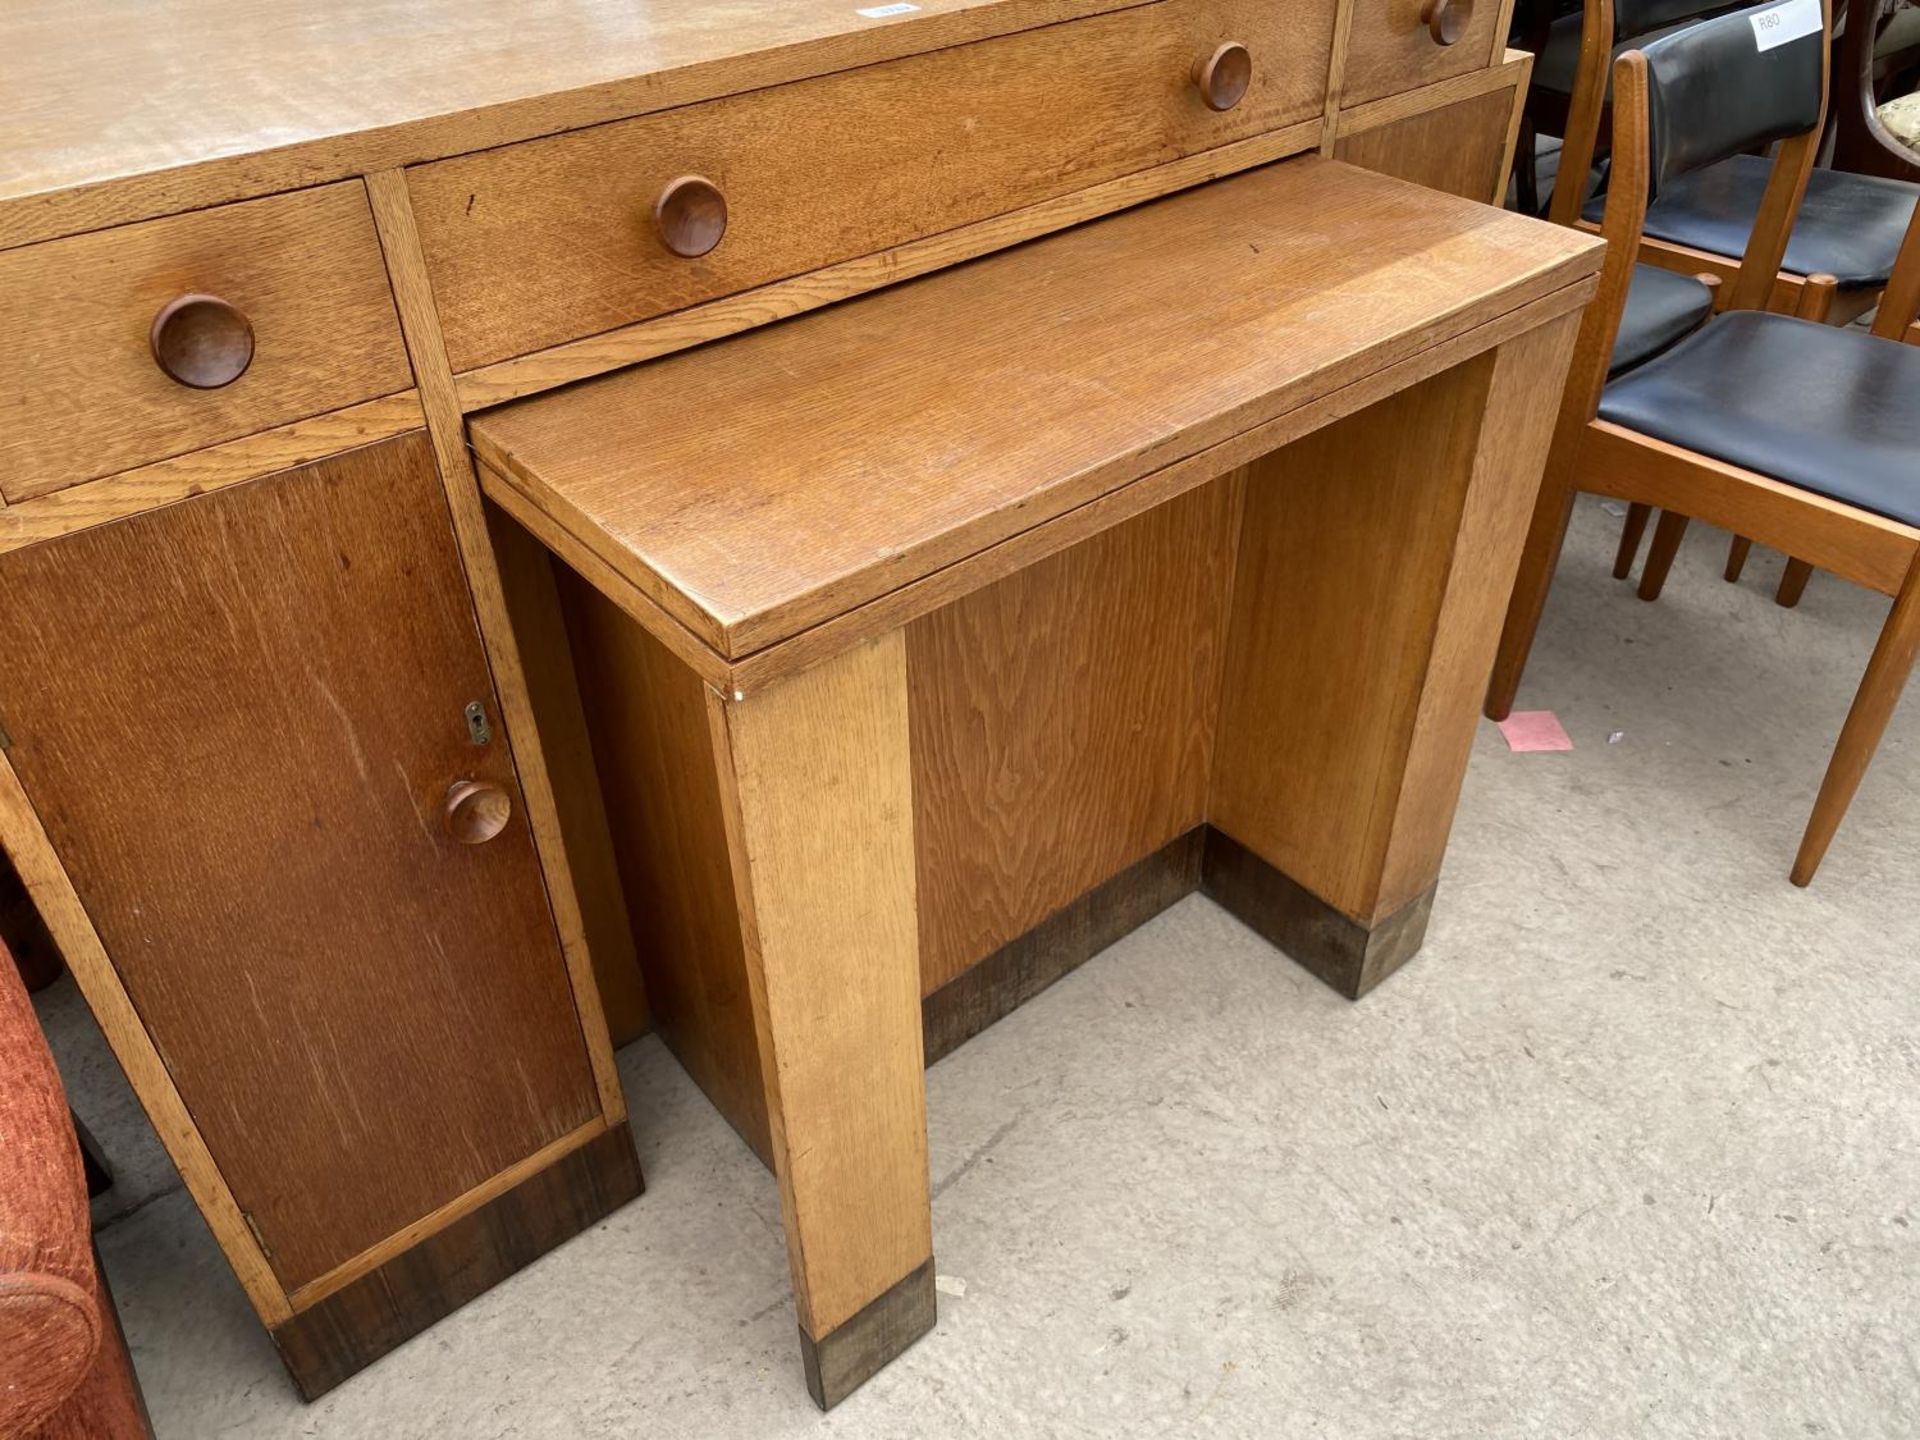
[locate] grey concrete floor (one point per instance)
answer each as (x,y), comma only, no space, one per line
(1632,1148)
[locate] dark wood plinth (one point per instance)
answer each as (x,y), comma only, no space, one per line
(1068,938)
(1349,956)
(843,1360)
(348,1330)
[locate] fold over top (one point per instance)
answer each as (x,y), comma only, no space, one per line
(762,484)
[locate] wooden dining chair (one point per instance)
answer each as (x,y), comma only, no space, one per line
(1795,433)
(1848,226)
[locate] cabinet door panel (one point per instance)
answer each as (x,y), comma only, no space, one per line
(239,718)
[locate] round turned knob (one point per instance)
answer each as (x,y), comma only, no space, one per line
(202,341)
(476,811)
(1223,77)
(692,215)
(1444,22)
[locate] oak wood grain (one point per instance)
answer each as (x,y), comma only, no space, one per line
(647,715)
(717,319)
(199,472)
(535,244)
(162,105)
(578,1181)
(81,391)
(816,791)
(1375,561)
(532,594)
(1460,148)
(365,1020)
(33,858)
(896,436)
(922,597)
(1334,605)
(1391,50)
(1063,723)
(400,240)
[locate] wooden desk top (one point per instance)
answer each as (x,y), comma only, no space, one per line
(116,110)
(756,488)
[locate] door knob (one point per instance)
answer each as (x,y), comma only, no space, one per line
(477,811)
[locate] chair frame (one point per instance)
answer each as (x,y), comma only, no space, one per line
(1593,455)
(1743,286)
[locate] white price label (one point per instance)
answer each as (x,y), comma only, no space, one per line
(1781,23)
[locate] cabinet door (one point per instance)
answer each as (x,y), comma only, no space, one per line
(239,719)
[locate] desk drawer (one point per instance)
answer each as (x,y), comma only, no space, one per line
(82,392)
(1392,46)
(540,243)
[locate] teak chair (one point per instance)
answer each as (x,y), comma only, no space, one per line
(1848,226)
(1794,433)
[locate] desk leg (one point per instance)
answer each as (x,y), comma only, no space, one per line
(815,779)
(1375,563)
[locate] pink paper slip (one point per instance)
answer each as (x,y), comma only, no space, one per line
(1530,730)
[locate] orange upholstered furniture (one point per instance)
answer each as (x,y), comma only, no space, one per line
(64,1369)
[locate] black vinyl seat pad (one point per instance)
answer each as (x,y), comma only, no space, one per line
(1849,226)
(1663,307)
(1833,411)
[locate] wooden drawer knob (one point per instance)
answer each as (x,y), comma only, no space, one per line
(202,341)
(692,215)
(1445,21)
(1223,77)
(477,811)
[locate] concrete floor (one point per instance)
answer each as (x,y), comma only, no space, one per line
(1632,1149)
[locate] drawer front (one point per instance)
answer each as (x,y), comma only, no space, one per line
(536,244)
(81,389)
(1391,46)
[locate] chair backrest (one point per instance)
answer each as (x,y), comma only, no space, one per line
(1709,91)
(1634,18)
(1604,24)
(1724,85)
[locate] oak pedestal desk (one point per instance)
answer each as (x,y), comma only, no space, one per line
(442,612)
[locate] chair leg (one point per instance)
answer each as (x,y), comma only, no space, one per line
(1737,554)
(1667,536)
(1630,533)
(1873,706)
(1538,560)
(1793,584)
